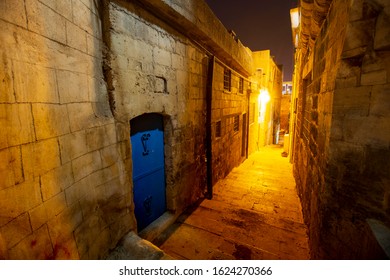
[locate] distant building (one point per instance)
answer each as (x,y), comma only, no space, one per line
(287,88)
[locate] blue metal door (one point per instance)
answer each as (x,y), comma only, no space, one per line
(147,140)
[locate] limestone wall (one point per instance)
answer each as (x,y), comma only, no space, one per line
(229,112)
(265,116)
(342,131)
(195,19)
(64,192)
(155,69)
(73,74)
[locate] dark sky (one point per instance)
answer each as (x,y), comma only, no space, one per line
(260,25)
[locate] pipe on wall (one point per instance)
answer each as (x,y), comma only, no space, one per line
(209,98)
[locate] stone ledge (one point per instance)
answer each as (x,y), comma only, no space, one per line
(133,247)
(205,28)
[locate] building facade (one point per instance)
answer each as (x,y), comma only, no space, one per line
(93,93)
(265,101)
(340,126)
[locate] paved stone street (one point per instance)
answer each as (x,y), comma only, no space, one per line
(255,213)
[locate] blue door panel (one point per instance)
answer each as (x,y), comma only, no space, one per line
(147,140)
(149,198)
(148,151)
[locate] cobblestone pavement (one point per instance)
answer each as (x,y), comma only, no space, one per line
(255,213)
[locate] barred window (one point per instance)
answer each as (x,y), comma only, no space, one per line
(241,85)
(236,126)
(218,129)
(227,79)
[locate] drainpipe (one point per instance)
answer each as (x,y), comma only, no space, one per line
(248,98)
(209,98)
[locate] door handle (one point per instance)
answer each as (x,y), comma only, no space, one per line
(144,139)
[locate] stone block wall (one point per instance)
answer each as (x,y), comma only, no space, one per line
(155,69)
(73,74)
(264,112)
(63,189)
(228,107)
(342,131)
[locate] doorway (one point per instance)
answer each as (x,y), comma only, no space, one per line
(147,141)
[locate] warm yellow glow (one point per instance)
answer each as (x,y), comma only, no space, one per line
(263,100)
(294,14)
(264,96)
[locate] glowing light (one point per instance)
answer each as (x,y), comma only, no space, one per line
(264,96)
(295,20)
(263,100)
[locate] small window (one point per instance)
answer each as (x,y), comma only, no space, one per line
(227,79)
(218,129)
(241,85)
(236,126)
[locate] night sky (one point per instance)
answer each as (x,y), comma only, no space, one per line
(260,25)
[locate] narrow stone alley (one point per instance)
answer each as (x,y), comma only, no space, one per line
(118,115)
(255,213)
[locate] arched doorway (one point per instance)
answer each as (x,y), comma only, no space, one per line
(147,140)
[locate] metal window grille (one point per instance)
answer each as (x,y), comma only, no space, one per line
(241,85)
(236,126)
(227,79)
(218,129)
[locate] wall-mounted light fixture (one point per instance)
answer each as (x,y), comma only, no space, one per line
(263,99)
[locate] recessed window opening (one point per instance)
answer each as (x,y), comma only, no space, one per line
(236,125)
(227,79)
(218,129)
(241,85)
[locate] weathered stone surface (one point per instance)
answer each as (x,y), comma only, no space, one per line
(382,30)
(38,216)
(16,120)
(36,246)
(64,8)
(351,118)
(255,214)
(73,146)
(76,91)
(109,155)
(50,120)
(100,137)
(76,37)
(10,11)
(67,99)
(135,248)
(25,196)
(81,116)
(355,101)
(16,230)
(11,170)
(380,105)
(6,82)
(34,83)
(51,26)
(40,157)
(56,181)
(86,164)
